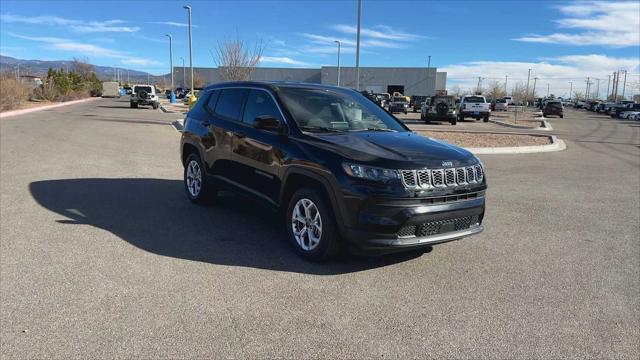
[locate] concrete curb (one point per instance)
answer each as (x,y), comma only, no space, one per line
(545,125)
(178,125)
(7,114)
(556,145)
(164,109)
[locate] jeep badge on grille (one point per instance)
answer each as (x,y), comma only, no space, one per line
(447,163)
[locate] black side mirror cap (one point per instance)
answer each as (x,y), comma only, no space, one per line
(267,122)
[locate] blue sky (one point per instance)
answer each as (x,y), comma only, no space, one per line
(561,41)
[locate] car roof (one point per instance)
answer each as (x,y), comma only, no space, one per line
(274,85)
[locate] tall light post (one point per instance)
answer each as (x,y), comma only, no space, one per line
(338,80)
(624,84)
(548,85)
(429,75)
(184,77)
(358,46)
(570,89)
(527,93)
(188,8)
(608,85)
(172,97)
(598,89)
(533,93)
(506,77)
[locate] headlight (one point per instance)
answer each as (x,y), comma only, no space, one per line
(370,173)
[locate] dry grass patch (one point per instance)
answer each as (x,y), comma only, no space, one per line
(12,92)
(478,140)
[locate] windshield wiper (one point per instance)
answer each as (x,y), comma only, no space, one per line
(319,129)
(375,129)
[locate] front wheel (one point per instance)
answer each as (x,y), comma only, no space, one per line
(155,106)
(134,105)
(311,227)
(453,121)
(485,118)
(198,189)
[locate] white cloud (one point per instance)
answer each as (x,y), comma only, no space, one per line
(377,32)
(77,25)
(557,72)
(282,60)
(87,49)
(172,23)
(615,24)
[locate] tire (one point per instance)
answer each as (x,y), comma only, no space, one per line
(199,190)
(486,118)
(453,121)
(305,204)
(405,112)
(155,106)
(561,116)
(460,117)
(134,105)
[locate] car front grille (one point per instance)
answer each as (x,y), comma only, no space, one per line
(438,227)
(442,178)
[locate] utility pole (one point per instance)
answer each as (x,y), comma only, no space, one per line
(506,77)
(624,84)
(527,93)
(338,81)
(548,89)
(608,84)
(429,75)
(188,8)
(533,93)
(358,46)
(570,89)
(479,81)
(616,80)
(172,97)
(598,89)
(586,93)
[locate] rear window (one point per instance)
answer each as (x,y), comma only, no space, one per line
(502,101)
(229,103)
(474,99)
(147,89)
(554,103)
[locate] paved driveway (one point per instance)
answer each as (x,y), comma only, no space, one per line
(101,255)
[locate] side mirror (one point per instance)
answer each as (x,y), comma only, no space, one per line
(267,122)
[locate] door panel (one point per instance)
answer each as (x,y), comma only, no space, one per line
(257,153)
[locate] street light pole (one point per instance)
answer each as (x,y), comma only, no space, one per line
(624,84)
(533,93)
(526,96)
(184,77)
(172,97)
(570,89)
(358,46)
(429,75)
(338,80)
(598,89)
(506,77)
(188,8)
(608,85)
(548,89)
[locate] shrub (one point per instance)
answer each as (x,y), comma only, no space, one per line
(12,92)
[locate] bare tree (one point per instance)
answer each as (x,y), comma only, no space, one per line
(455,91)
(520,93)
(495,90)
(236,61)
(578,95)
(82,67)
(198,81)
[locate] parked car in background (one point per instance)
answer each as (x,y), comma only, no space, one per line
(510,100)
(501,105)
(579,104)
(627,109)
(439,108)
(553,107)
(417,101)
(343,173)
(474,106)
(187,96)
(110,89)
(399,104)
(144,95)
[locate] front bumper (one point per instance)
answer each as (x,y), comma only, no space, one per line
(382,223)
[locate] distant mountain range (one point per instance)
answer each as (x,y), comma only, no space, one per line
(40,68)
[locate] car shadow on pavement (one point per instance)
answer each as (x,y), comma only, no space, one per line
(154,215)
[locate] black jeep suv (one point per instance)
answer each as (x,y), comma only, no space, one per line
(342,171)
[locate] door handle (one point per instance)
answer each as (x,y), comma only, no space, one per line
(240,134)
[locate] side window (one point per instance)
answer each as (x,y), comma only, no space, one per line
(211,102)
(229,103)
(259,103)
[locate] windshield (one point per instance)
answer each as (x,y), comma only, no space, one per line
(502,101)
(142,88)
(321,110)
(474,99)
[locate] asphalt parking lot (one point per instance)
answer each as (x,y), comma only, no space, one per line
(101,255)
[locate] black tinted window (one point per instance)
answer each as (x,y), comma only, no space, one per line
(211,102)
(229,103)
(259,103)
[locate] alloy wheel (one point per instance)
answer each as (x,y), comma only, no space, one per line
(307,224)
(194,178)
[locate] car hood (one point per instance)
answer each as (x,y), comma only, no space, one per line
(386,149)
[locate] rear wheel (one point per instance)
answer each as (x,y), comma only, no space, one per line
(155,106)
(485,118)
(453,121)
(134,105)
(311,227)
(198,189)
